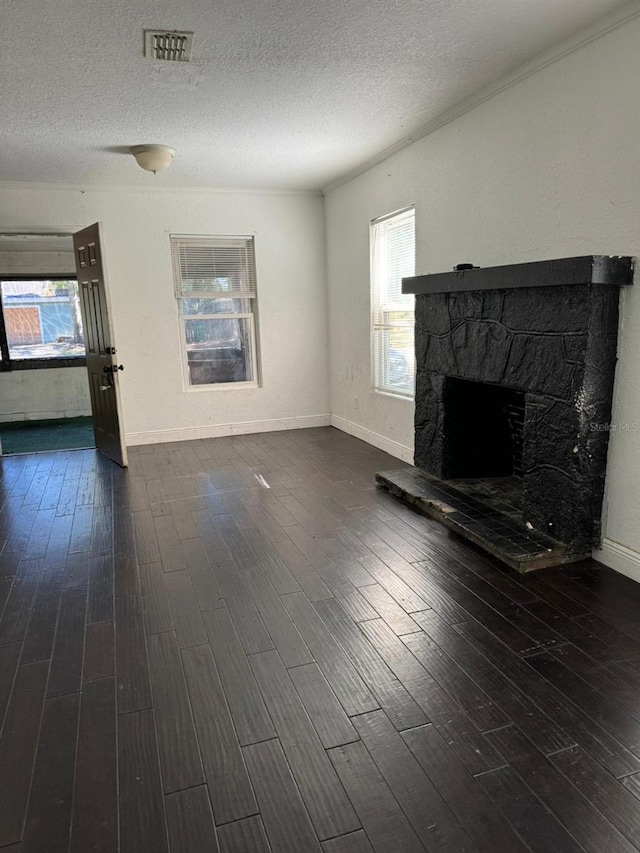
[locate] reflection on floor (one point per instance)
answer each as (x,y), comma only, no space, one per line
(36,436)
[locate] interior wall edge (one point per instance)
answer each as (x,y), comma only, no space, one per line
(618,557)
(393,448)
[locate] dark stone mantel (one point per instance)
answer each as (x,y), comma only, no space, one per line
(589,269)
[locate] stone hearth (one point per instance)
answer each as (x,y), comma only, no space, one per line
(515,370)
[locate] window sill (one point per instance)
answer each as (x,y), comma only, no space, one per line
(223,386)
(410,398)
(43,363)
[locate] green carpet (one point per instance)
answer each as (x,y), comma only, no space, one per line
(36,436)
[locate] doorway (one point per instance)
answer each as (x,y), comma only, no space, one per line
(44,396)
(57,386)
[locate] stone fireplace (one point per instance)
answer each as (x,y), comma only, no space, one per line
(515,371)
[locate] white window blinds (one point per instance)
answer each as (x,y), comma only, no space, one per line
(392,259)
(214,267)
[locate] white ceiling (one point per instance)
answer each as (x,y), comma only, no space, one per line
(287,94)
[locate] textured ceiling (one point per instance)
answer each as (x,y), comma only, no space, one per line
(283,93)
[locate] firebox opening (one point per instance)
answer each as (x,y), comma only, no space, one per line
(483,430)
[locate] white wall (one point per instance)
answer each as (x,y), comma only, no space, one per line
(27,395)
(548,168)
(289,234)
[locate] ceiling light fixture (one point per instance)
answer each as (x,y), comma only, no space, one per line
(153,158)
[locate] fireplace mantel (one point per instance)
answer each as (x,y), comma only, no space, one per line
(588,269)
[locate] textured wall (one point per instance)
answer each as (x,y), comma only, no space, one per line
(291,296)
(546,169)
(35,263)
(38,394)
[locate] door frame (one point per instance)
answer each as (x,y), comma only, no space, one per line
(69,232)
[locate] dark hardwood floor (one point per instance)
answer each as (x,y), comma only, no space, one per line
(241,645)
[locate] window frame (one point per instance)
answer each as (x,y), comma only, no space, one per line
(8,364)
(378,309)
(249,383)
(251,316)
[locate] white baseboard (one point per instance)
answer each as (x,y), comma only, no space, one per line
(19,417)
(216,430)
(620,558)
(393,448)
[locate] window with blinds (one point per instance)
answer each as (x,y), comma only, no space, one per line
(215,286)
(392,312)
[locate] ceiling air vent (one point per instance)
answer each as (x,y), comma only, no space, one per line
(170,45)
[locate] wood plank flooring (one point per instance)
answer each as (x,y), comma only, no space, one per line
(240,645)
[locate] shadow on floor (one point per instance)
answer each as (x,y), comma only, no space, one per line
(35,436)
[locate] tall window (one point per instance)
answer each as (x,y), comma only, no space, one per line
(40,323)
(392,258)
(215,285)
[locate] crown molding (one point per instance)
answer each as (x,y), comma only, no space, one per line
(141,190)
(583,37)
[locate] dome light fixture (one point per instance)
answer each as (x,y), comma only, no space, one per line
(153,158)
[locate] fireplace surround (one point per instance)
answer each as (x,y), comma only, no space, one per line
(515,370)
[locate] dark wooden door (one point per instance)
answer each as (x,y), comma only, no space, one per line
(102,365)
